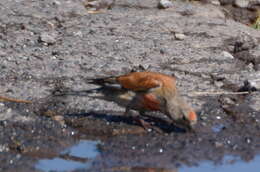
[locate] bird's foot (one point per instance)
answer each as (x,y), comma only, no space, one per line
(147,126)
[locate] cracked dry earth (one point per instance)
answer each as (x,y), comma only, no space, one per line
(52,46)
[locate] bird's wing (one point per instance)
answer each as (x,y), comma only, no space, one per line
(139,83)
(136,81)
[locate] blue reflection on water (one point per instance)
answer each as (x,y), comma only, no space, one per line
(84,149)
(237,166)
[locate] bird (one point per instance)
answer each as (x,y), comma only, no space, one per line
(145,92)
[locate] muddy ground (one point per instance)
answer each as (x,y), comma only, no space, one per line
(52,46)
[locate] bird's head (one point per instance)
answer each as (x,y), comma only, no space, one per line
(181,113)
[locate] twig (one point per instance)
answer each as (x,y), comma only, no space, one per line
(7,99)
(219,93)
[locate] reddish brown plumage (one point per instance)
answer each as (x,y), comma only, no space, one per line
(141,81)
(150,102)
(153,92)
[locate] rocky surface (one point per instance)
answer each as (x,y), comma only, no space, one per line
(51,46)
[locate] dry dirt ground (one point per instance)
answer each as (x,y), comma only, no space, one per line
(51,46)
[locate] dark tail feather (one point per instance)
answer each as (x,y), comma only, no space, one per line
(102,81)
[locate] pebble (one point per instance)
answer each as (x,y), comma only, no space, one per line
(215,2)
(235,147)
(160,150)
(203,117)
(227,55)
(18,156)
(55,2)
(218,144)
(78,33)
(9,110)
(218,117)
(248,140)
(4,148)
(219,84)
(163,4)
(180,36)
(48,37)
(59,118)
(11,161)
(204,123)
(241,3)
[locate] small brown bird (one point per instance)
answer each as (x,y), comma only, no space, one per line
(148,91)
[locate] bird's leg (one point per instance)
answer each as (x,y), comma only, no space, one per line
(147,125)
(143,123)
(136,117)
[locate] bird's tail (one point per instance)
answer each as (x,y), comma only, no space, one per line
(102,81)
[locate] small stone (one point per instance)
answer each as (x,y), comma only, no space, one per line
(248,140)
(11,161)
(59,118)
(203,117)
(215,2)
(163,4)
(9,110)
(180,36)
(241,3)
(218,144)
(218,117)
(219,84)
(4,148)
(55,2)
(95,5)
(235,147)
(78,33)
(204,123)
(48,37)
(160,150)
(18,156)
(227,55)
(200,139)
(133,147)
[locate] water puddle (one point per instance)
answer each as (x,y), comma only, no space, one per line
(230,164)
(76,157)
(82,156)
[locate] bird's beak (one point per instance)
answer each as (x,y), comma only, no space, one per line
(186,124)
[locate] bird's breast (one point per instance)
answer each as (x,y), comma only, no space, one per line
(150,102)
